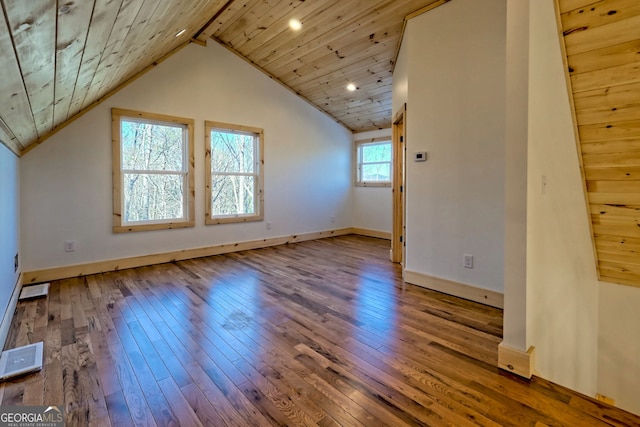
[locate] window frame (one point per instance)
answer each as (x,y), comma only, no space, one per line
(119,226)
(358,163)
(258,176)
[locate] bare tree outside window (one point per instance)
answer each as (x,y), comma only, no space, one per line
(234,166)
(154,177)
(374,163)
(154,172)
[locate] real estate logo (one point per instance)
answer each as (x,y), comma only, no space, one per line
(31,416)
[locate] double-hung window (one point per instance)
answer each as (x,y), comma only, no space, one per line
(373,163)
(234,173)
(153,180)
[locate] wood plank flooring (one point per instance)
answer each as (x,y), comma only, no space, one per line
(319,333)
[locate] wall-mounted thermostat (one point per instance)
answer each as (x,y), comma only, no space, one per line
(420,156)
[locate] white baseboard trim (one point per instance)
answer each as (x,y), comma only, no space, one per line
(473,293)
(516,361)
(7,317)
(66,272)
(371,233)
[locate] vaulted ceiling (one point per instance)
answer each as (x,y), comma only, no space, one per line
(602,44)
(59,58)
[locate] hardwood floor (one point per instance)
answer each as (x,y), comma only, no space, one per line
(316,333)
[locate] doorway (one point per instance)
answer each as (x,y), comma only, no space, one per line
(398,238)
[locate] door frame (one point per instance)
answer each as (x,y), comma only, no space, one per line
(398,238)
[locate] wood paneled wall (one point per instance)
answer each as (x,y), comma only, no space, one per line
(602,42)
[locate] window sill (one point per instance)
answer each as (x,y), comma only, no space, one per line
(373,184)
(233,219)
(152,227)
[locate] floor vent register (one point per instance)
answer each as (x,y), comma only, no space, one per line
(27,359)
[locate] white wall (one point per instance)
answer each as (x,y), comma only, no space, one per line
(562,285)
(516,139)
(400,92)
(454,63)
(619,345)
(372,206)
(9,230)
(66,182)
(455,68)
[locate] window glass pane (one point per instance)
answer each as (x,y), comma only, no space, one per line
(379,172)
(232,152)
(151,146)
(150,197)
(232,195)
(376,153)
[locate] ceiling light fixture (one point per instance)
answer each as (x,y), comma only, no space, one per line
(351,87)
(181,32)
(295,25)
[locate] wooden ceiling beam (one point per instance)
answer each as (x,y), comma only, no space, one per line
(205,33)
(237,21)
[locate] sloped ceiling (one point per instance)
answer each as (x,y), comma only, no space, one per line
(59,58)
(602,43)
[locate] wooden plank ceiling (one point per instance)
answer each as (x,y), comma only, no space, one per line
(602,40)
(58,58)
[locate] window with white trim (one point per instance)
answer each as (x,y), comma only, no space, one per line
(373,163)
(153,182)
(234,173)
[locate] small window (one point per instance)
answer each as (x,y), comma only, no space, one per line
(153,185)
(373,163)
(234,173)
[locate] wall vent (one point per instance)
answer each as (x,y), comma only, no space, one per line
(34,291)
(21,360)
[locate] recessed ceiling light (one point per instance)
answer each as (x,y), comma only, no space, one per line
(181,32)
(351,87)
(295,25)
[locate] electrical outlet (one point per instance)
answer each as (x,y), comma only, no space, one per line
(268,224)
(468,261)
(70,246)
